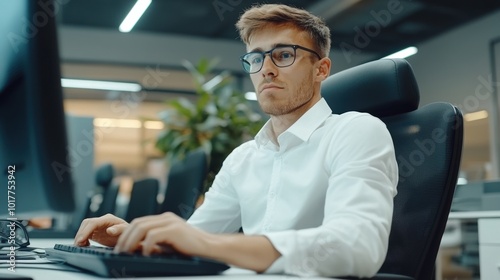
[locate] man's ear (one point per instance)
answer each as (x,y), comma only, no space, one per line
(323,70)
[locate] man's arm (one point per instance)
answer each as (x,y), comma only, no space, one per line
(152,232)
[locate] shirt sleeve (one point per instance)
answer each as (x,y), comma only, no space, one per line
(353,237)
(220,211)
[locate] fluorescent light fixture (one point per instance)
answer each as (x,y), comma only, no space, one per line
(403,53)
(100,85)
(461,181)
(127,123)
(251,95)
(123,123)
(476,116)
(153,125)
(134,15)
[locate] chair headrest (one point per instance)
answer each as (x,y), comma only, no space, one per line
(104,174)
(382,88)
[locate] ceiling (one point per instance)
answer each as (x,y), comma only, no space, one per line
(378,27)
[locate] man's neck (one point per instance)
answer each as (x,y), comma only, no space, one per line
(282,122)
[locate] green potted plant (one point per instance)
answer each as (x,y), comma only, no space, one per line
(218,120)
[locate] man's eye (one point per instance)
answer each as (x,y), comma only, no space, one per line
(256,60)
(285,55)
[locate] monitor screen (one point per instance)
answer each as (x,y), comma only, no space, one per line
(35,178)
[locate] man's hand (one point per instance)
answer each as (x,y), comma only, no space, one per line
(167,232)
(163,232)
(104,230)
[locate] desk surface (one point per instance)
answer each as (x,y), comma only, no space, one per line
(42,271)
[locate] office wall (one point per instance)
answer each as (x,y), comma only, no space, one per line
(450,67)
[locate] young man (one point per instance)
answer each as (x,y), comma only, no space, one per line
(313,192)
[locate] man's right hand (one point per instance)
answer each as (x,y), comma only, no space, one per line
(104,230)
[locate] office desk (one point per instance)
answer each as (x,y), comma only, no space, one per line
(59,271)
(489,240)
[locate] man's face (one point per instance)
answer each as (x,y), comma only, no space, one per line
(287,90)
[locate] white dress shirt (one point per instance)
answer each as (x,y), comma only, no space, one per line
(323,196)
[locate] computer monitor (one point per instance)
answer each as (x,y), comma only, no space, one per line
(35,174)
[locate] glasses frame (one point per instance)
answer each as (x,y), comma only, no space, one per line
(5,233)
(270,52)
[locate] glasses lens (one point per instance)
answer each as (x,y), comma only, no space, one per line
(252,62)
(283,56)
(13,233)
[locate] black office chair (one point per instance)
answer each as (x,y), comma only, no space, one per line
(185,184)
(428,144)
(143,200)
(104,176)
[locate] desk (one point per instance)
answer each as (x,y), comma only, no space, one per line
(489,240)
(59,271)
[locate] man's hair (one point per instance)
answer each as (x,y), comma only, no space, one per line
(259,16)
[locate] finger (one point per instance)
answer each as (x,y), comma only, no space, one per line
(157,239)
(130,239)
(89,226)
(84,232)
(132,236)
(123,244)
(116,229)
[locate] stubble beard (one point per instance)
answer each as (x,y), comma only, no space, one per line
(303,95)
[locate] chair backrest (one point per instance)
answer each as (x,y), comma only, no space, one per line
(143,199)
(428,145)
(104,178)
(185,184)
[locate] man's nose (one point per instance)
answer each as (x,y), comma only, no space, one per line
(268,67)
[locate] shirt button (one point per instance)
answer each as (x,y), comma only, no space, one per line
(271,194)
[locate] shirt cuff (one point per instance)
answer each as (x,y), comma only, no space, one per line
(280,242)
(277,267)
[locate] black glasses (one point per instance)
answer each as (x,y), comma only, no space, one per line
(13,234)
(282,56)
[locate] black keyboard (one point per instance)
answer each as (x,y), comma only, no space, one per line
(104,262)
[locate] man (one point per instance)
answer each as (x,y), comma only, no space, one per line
(313,192)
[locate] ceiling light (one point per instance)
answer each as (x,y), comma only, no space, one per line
(403,53)
(134,15)
(153,125)
(100,85)
(123,123)
(127,123)
(462,181)
(476,116)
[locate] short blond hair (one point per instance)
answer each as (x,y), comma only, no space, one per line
(259,16)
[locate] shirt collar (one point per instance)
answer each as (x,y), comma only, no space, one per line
(303,127)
